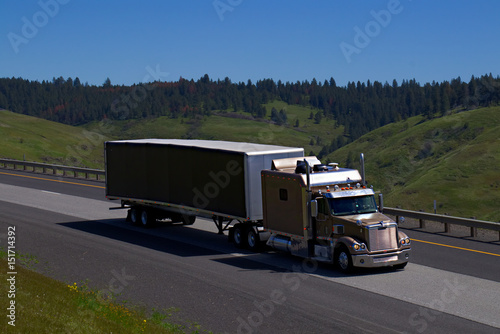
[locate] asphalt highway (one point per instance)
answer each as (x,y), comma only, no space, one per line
(452,285)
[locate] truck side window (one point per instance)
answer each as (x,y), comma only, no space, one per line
(283,194)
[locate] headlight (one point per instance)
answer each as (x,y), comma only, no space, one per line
(405,241)
(359,246)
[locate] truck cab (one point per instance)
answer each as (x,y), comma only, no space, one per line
(327,213)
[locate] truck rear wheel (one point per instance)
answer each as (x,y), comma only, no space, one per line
(343,259)
(253,240)
(239,236)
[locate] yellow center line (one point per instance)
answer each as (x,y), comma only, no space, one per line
(60,181)
(466,249)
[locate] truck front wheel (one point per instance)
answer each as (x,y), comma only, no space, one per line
(343,259)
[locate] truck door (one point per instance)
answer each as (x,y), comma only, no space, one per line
(322,223)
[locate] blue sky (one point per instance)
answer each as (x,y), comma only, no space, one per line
(132,41)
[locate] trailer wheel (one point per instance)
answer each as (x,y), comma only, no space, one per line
(146,218)
(238,236)
(134,215)
(343,259)
(253,240)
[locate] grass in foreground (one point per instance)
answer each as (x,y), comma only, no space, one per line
(44,305)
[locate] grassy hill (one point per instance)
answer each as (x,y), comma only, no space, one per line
(232,126)
(454,160)
(39,140)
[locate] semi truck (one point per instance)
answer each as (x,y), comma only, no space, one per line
(262,195)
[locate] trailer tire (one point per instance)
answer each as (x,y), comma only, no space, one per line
(146,218)
(343,259)
(134,214)
(239,234)
(253,240)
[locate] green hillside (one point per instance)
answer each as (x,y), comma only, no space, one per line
(454,160)
(39,140)
(232,126)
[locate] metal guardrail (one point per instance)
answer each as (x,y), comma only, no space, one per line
(99,175)
(474,224)
(54,169)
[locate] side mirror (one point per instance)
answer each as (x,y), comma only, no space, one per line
(314,208)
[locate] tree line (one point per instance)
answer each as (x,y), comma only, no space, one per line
(359,107)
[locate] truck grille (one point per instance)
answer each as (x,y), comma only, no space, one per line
(382,238)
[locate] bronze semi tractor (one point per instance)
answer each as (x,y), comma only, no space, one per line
(262,194)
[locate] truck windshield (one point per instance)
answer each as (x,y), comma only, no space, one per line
(344,206)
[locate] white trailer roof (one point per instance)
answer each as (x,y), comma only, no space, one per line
(247,148)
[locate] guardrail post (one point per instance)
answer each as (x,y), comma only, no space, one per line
(473,230)
(421,222)
(446,226)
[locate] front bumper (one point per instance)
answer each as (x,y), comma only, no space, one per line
(381,260)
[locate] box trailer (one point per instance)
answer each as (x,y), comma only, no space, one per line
(180,179)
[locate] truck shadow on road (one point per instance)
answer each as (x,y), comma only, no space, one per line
(158,239)
(182,241)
